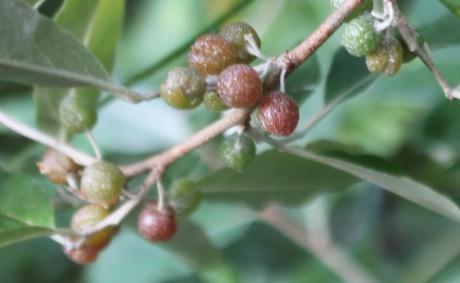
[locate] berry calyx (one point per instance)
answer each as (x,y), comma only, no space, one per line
(213,102)
(239,86)
(365,6)
(235,33)
(76,115)
(85,218)
(156,225)
(56,166)
(360,37)
(278,114)
(183,197)
(211,53)
(183,88)
(237,151)
(82,255)
(102,183)
(387,58)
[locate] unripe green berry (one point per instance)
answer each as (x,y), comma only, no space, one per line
(183,88)
(211,53)
(235,33)
(278,114)
(75,115)
(239,86)
(102,183)
(56,166)
(365,6)
(157,225)
(183,197)
(213,102)
(88,216)
(360,37)
(387,58)
(237,151)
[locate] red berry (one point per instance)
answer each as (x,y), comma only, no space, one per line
(211,53)
(83,255)
(278,114)
(156,225)
(239,86)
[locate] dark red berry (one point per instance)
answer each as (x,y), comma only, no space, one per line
(278,114)
(156,225)
(83,255)
(239,86)
(211,53)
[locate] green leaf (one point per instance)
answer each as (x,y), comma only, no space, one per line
(273,177)
(98,25)
(25,211)
(303,80)
(453,5)
(449,36)
(348,76)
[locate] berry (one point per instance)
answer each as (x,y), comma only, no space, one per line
(76,115)
(239,86)
(184,198)
(278,114)
(237,151)
(211,53)
(102,182)
(88,216)
(360,38)
(56,166)
(213,102)
(235,33)
(387,58)
(183,88)
(83,255)
(156,225)
(366,6)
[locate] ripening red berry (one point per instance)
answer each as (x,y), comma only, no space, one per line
(278,114)
(82,255)
(156,225)
(239,86)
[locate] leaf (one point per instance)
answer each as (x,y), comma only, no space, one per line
(453,5)
(348,76)
(303,80)
(273,177)
(449,36)
(98,25)
(25,211)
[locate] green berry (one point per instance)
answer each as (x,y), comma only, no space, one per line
(360,37)
(88,216)
(235,33)
(366,6)
(183,197)
(213,102)
(76,115)
(211,53)
(56,166)
(102,183)
(237,151)
(183,88)
(387,58)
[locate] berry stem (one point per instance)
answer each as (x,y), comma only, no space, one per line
(92,141)
(161,196)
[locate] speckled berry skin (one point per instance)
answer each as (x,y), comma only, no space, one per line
(211,53)
(278,114)
(387,58)
(88,216)
(75,115)
(56,166)
(213,103)
(234,33)
(366,6)
(237,151)
(239,86)
(359,37)
(83,255)
(183,197)
(102,183)
(155,225)
(183,88)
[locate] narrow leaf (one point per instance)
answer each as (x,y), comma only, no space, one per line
(453,5)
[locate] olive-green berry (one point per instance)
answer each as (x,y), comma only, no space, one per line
(365,6)
(360,37)
(387,58)
(184,197)
(75,115)
(102,183)
(213,102)
(183,88)
(235,33)
(237,151)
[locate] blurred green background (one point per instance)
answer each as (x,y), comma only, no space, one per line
(404,119)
